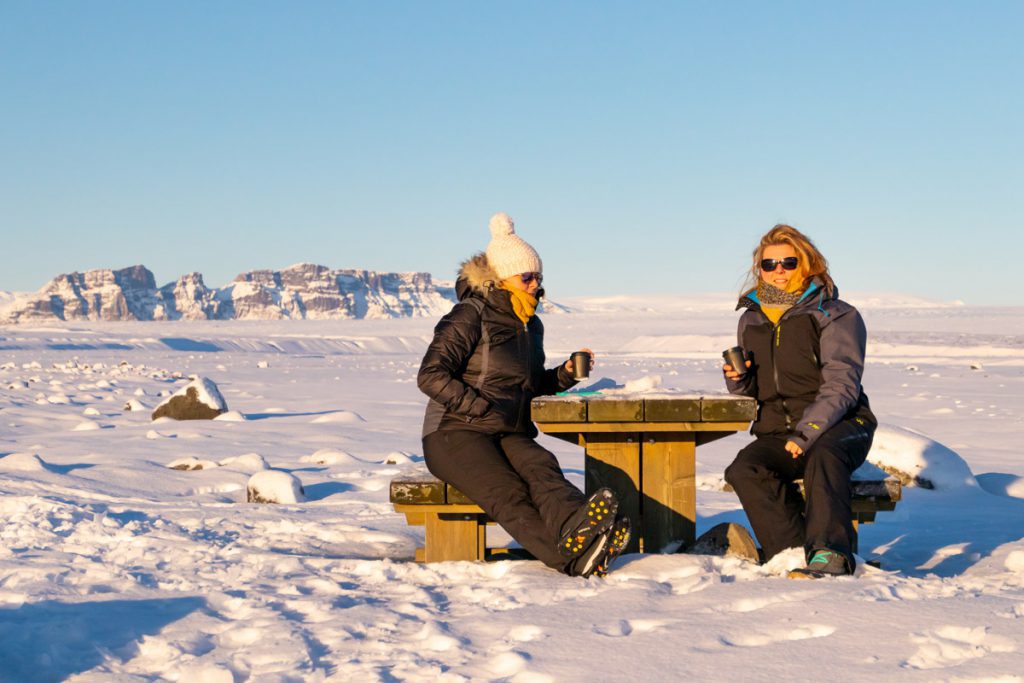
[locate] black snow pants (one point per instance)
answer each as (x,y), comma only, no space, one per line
(763,474)
(517,482)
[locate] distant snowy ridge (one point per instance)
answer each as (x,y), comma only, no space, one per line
(726,301)
(302,291)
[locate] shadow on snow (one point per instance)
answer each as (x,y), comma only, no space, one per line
(51,641)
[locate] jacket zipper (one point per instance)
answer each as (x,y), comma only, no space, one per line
(775,375)
(529,360)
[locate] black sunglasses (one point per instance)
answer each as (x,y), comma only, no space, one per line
(527,278)
(770,264)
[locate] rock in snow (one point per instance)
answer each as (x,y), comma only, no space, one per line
(191,463)
(275,486)
(248,462)
(200,399)
(918,460)
(134,406)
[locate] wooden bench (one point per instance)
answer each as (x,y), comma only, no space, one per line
(873,491)
(455,527)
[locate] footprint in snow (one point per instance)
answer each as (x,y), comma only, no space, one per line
(952,645)
(627,627)
(772,637)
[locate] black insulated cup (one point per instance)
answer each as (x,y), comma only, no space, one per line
(736,358)
(580,365)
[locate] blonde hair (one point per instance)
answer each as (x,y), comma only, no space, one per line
(811,262)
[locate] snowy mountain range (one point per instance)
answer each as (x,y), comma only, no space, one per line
(304,291)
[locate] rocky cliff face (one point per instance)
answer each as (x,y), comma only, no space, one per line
(301,291)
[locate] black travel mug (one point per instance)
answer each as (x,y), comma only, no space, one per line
(580,365)
(736,358)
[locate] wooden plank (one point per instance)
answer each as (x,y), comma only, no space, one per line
(456,497)
(416,489)
(669,507)
(558,409)
(672,409)
(415,518)
(555,428)
(452,537)
(615,410)
(432,508)
(728,409)
(613,460)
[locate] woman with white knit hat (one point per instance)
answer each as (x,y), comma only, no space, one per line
(483,367)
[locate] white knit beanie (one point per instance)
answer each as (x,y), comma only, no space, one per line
(508,253)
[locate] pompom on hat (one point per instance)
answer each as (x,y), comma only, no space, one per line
(509,254)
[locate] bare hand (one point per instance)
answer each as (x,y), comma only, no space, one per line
(791,447)
(730,372)
(569,364)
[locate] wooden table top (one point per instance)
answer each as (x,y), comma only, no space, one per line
(653,411)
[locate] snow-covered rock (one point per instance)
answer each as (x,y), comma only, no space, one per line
(230,416)
(918,460)
(341,416)
(200,399)
(22,462)
(191,463)
(329,456)
(275,486)
(397,458)
(247,462)
(134,406)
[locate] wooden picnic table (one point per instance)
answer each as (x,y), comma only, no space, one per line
(645,449)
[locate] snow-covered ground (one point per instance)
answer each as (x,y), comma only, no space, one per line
(114,566)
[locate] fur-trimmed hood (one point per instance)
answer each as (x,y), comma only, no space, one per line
(475,275)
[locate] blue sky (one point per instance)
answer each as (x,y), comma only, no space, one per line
(666,137)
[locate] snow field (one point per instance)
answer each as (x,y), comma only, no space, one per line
(115,567)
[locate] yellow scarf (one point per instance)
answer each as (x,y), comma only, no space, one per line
(523,303)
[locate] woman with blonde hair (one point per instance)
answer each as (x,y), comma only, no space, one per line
(805,358)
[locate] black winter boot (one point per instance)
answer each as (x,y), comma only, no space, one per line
(597,558)
(593,518)
(823,562)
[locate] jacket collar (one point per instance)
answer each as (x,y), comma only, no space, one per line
(815,292)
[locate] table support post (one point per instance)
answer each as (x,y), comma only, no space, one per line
(669,464)
(613,460)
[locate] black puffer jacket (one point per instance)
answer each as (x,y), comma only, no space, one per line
(806,371)
(483,366)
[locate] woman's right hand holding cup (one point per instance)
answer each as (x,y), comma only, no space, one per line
(733,358)
(730,371)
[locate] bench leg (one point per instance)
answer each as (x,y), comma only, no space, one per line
(451,536)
